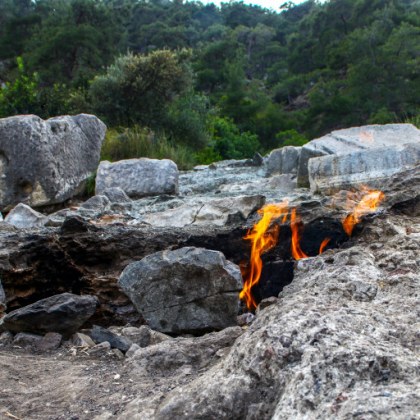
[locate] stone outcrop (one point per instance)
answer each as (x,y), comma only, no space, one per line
(22,216)
(64,313)
(283,161)
(138,177)
(339,342)
(328,174)
(47,162)
(186,290)
(349,140)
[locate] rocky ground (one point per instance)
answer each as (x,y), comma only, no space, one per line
(336,335)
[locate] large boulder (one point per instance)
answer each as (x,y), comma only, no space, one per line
(332,173)
(186,290)
(283,161)
(64,313)
(349,140)
(47,162)
(138,177)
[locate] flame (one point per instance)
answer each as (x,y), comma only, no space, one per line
(324,243)
(262,241)
(295,226)
(368,204)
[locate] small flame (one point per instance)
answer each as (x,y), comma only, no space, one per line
(295,226)
(262,240)
(368,204)
(324,243)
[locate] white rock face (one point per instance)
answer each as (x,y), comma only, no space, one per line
(47,162)
(332,173)
(214,212)
(350,140)
(138,177)
(22,216)
(283,161)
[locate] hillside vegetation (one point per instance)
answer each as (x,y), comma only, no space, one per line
(198,83)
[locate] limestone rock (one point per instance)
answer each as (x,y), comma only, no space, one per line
(332,173)
(214,212)
(180,353)
(116,195)
(64,313)
(99,335)
(349,140)
(27,340)
(283,161)
(97,203)
(138,177)
(320,351)
(47,162)
(186,290)
(82,340)
(144,336)
(22,216)
(3,304)
(50,341)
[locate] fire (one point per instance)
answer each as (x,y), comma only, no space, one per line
(324,243)
(368,204)
(295,226)
(262,240)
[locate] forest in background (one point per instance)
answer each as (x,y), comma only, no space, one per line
(198,83)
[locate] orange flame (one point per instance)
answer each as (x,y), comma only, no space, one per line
(324,243)
(262,241)
(368,204)
(295,226)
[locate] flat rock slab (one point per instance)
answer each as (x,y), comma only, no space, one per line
(47,162)
(349,140)
(64,313)
(332,173)
(186,290)
(138,177)
(214,212)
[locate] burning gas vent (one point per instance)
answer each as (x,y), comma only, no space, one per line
(279,238)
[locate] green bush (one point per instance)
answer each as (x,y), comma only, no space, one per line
(228,142)
(139,142)
(291,138)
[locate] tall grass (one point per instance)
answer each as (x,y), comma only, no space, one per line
(139,142)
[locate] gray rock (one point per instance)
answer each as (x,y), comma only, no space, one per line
(47,162)
(214,212)
(133,348)
(3,305)
(283,161)
(144,336)
(22,216)
(50,341)
(319,351)
(64,313)
(82,340)
(332,173)
(27,340)
(138,177)
(97,203)
(99,335)
(355,139)
(100,349)
(6,338)
(183,353)
(116,195)
(186,290)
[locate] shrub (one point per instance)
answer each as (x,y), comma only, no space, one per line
(139,142)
